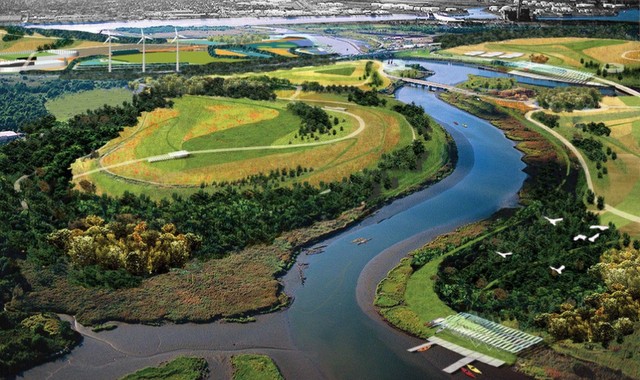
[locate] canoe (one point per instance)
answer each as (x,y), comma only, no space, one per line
(474,369)
(423,349)
(468,373)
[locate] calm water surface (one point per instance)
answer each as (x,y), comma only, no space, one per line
(330,331)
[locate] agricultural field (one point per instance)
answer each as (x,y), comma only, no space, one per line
(339,74)
(193,57)
(565,51)
(620,185)
(69,105)
(233,139)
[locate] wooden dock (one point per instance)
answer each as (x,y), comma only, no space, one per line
(416,348)
(469,355)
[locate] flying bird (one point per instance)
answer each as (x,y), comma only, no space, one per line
(558,270)
(594,237)
(601,228)
(504,254)
(554,221)
(580,237)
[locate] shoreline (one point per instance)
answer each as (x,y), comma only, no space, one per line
(374,272)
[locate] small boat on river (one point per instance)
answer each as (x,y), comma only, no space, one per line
(474,369)
(468,372)
(360,241)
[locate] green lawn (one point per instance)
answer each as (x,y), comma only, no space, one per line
(68,105)
(181,368)
(414,53)
(633,101)
(254,367)
(346,71)
(193,57)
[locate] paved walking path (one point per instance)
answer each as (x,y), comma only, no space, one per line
(473,355)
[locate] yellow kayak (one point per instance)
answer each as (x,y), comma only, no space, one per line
(474,369)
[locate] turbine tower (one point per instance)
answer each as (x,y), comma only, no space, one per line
(176,39)
(144,49)
(109,39)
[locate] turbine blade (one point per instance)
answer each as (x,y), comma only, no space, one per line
(174,40)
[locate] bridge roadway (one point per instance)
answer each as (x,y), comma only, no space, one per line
(433,85)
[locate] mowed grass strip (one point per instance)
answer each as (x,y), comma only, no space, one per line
(346,71)
(69,105)
(254,367)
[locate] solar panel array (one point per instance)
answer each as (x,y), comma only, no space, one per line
(490,333)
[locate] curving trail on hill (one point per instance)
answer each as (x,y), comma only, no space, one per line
(361,128)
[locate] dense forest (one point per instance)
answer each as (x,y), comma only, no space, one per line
(522,286)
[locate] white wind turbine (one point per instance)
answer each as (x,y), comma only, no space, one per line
(176,39)
(144,49)
(110,38)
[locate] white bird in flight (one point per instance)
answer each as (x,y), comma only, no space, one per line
(580,237)
(504,254)
(554,221)
(601,228)
(594,237)
(558,270)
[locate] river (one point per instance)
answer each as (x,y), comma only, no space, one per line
(331,330)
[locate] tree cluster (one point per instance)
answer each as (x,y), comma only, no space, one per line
(354,94)
(30,339)
(607,315)
(598,129)
(314,118)
(125,244)
(569,98)
(256,88)
(416,117)
(366,98)
(549,120)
